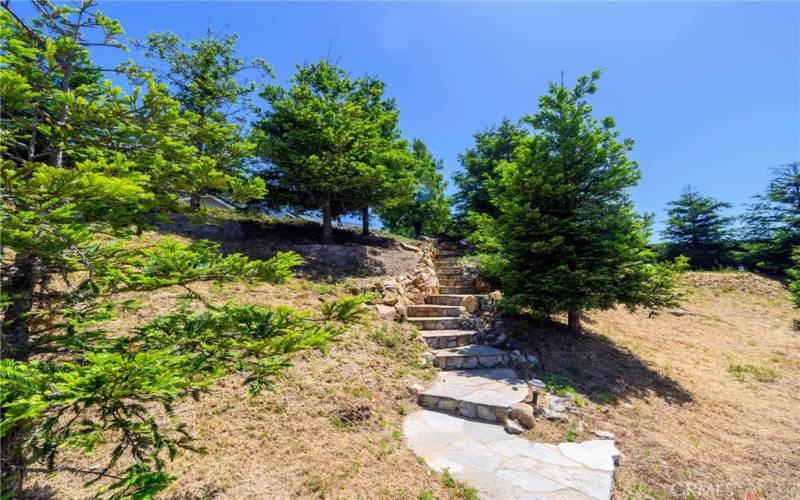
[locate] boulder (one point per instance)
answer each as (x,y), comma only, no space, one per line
(470,303)
(390,298)
(385,312)
(415,389)
(402,312)
(512,427)
(523,414)
(496,295)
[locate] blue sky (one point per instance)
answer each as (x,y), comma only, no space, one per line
(709,91)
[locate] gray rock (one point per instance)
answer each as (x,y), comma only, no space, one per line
(502,338)
(415,389)
(604,434)
(512,427)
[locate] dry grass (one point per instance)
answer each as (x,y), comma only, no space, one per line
(331,428)
(704,401)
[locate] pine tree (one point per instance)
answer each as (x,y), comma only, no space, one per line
(696,228)
(567,235)
(210,81)
(425,209)
(771,225)
(327,140)
(492,146)
(83,168)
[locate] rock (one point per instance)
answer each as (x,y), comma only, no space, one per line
(531,359)
(390,298)
(470,303)
(569,396)
(678,312)
(402,312)
(523,414)
(512,427)
(386,312)
(502,338)
(354,290)
(553,415)
(415,389)
(604,434)
(410,248)
(496,295)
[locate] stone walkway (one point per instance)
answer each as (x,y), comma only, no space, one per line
(478,389)
(501,466)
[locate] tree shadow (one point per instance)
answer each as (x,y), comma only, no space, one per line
(598,368)
(350,255)
(39,492)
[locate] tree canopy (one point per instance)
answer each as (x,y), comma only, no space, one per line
(424,209)
(697,229)
(330,142)
(492,146)
(771,225)
(566,237)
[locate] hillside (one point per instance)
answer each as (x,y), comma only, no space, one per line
(701,399)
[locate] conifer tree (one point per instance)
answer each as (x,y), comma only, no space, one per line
(492,146)
(327,140)
(84,167)
(425,208)
(771,225)
(696,228)
(567,235)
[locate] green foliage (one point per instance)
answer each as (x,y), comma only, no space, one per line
(425,210)
(567,238)
(209,81)
(794,276)
(492,146)
(695,228)
(771,225)
(332,142)
(347,309)
(84,167)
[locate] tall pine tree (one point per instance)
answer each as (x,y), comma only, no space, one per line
(697,229)
(567,233)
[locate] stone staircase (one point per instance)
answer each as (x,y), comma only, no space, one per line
(476,381)
(476,389)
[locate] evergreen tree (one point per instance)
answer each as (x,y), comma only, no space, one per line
(83,166)
(771,225)
(492,146)
(696,228)
(328,139)
(567,236)
(425,209)
(210,81)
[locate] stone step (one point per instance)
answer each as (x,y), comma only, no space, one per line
(446,261)
(444,339)
(461,281)
(437,323)
(445,300)
(458,290)
(483,394)
(471,356)
(449,272)
(457,254)
(433,310)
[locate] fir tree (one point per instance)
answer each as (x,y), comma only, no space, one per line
(696,228)
(567,238)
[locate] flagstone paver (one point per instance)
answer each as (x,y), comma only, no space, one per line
(501,466)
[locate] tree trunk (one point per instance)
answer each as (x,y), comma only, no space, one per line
(574,321)
(417,229)
(327,227)
(365,221)
(12,462)
(15,322)
(15,345)
(194,201)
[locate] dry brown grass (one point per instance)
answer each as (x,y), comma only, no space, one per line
(706,403)
(330,429)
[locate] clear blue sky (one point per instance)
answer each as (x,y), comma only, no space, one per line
(709,91)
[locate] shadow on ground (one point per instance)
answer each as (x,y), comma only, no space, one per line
(595,366)
(351,254)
